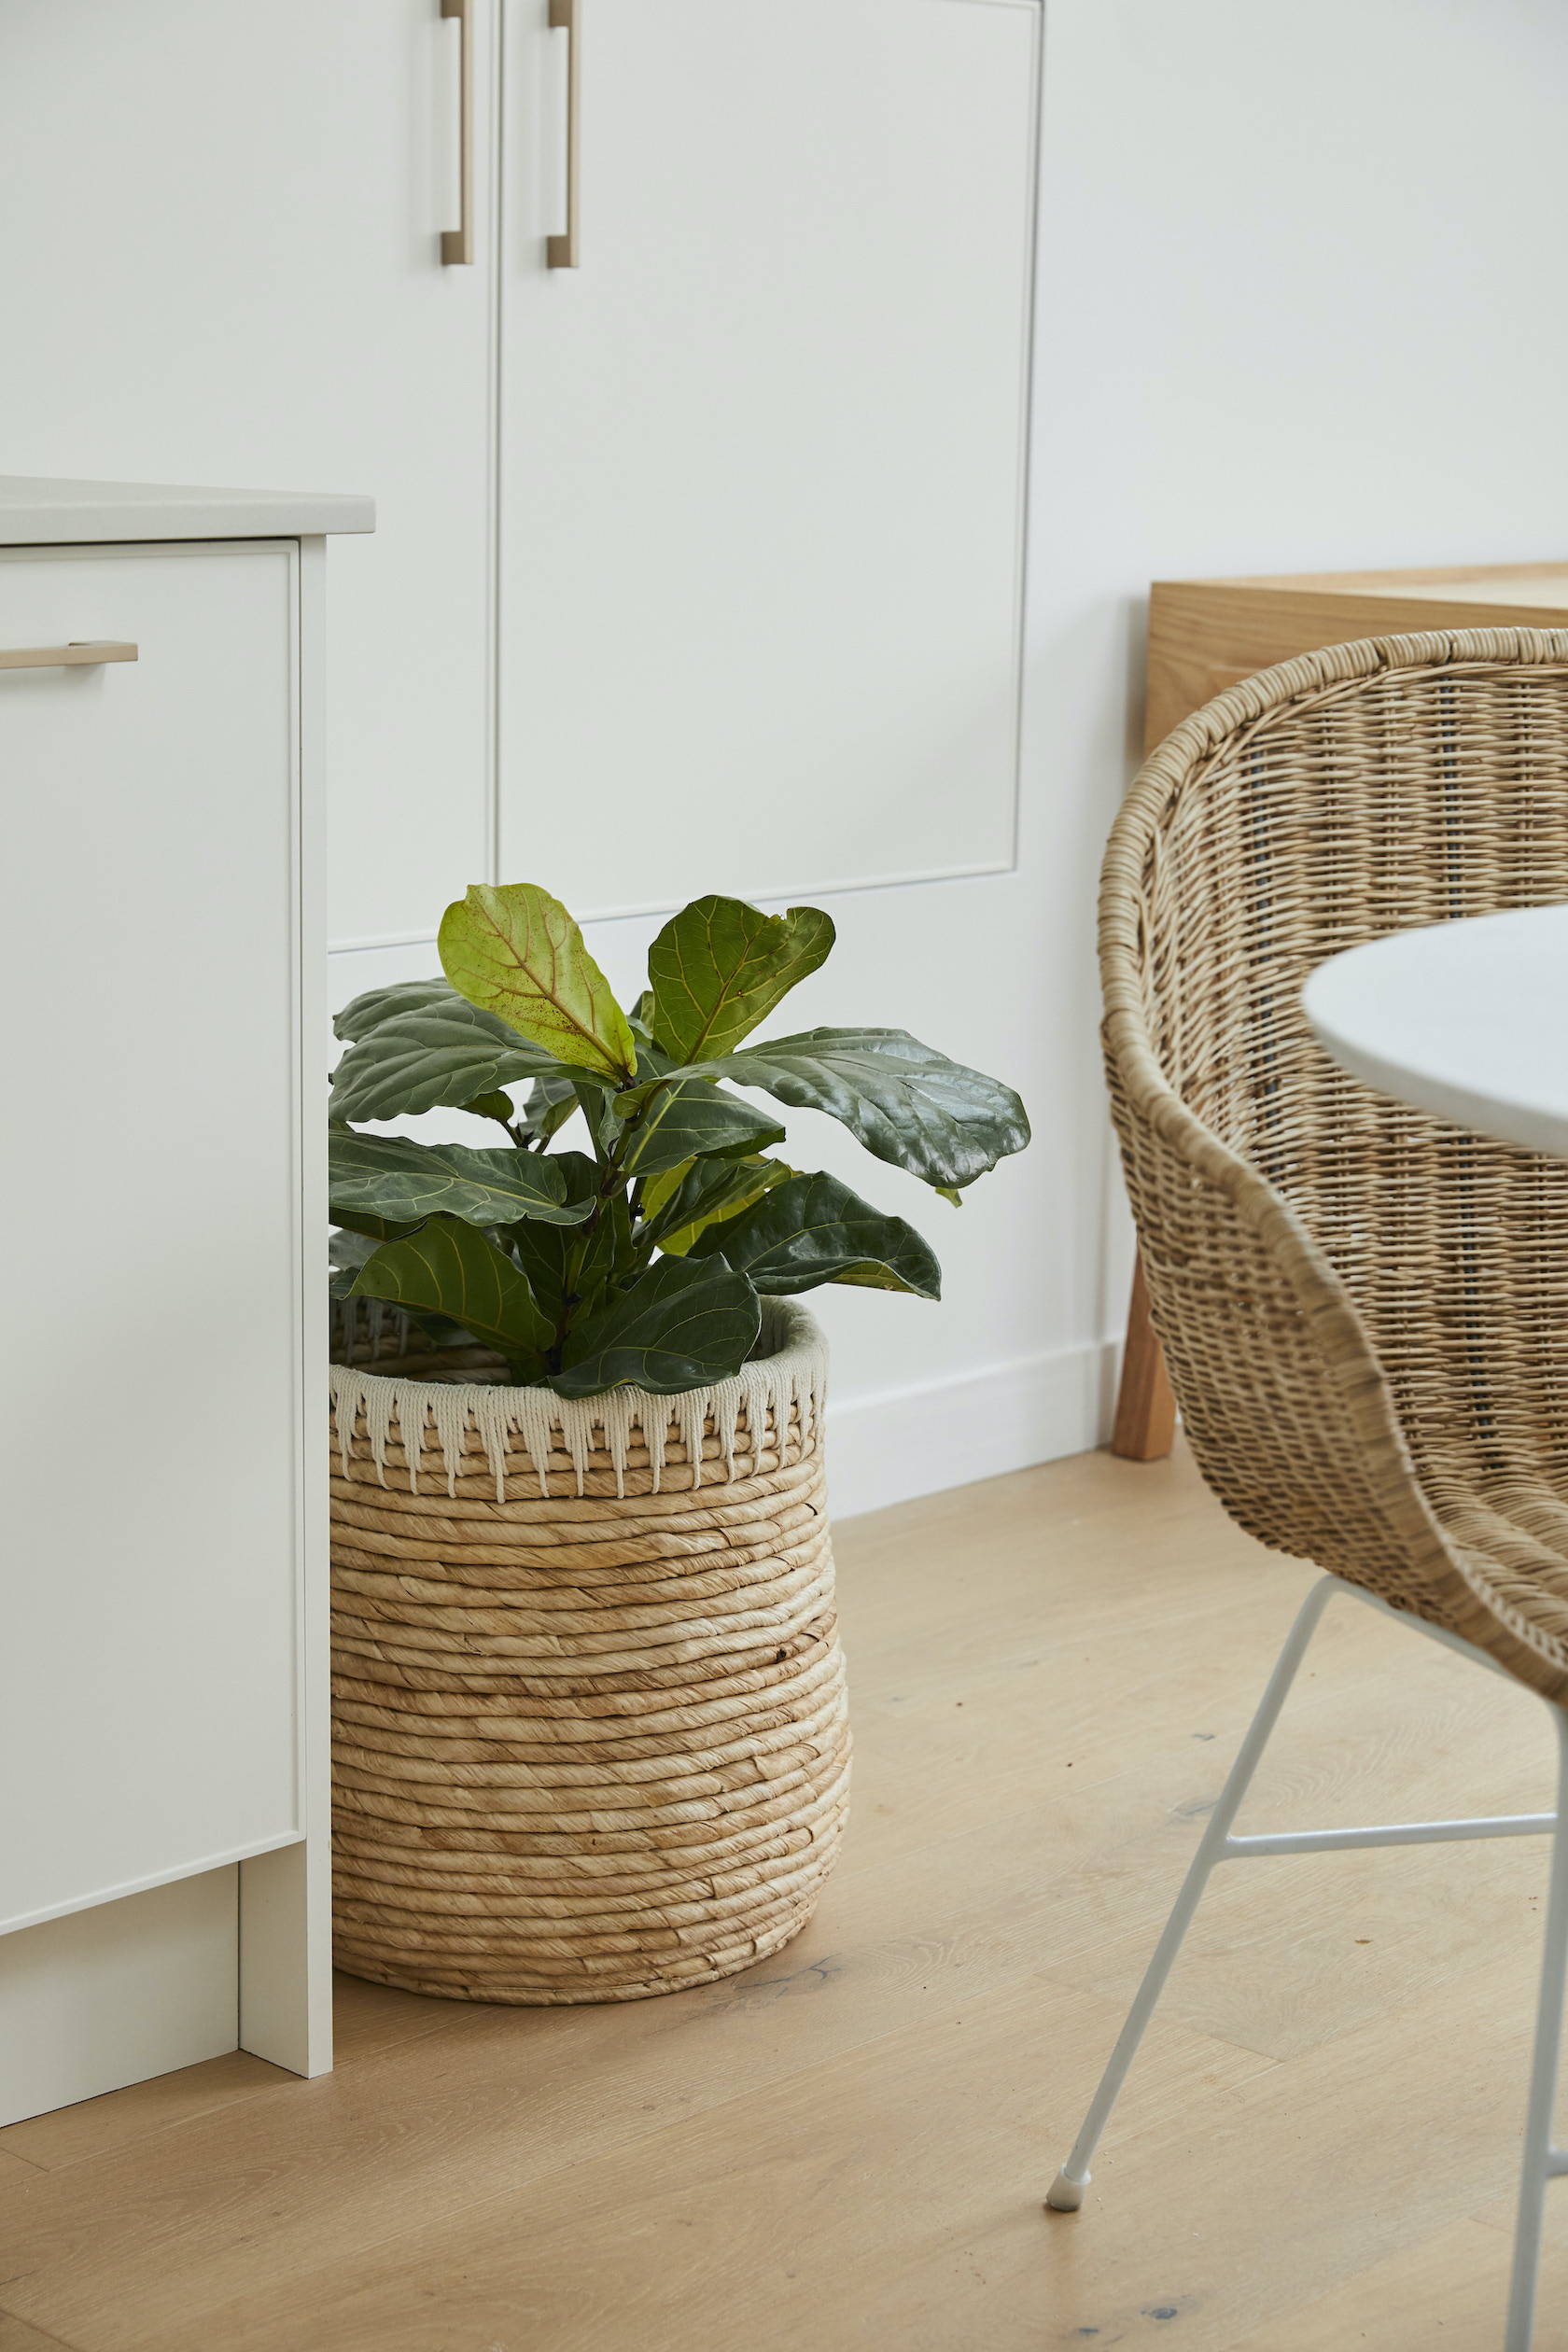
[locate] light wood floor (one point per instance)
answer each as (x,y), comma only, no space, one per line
(849,2148)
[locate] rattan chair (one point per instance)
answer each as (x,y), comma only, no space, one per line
(1365,1313)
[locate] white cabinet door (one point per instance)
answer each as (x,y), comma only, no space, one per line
(150,1456)
(762,491)
(222,264)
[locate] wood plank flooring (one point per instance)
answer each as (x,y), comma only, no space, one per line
(848,2147)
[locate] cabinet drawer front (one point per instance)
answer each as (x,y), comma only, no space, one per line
(149,942)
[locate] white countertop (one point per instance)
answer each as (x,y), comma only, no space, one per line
(1467,1021)
(39,511)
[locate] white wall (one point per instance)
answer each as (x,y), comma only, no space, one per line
(1299,309)
(1300,306)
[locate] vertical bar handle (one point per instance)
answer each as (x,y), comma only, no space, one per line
(566,16)
(456,244)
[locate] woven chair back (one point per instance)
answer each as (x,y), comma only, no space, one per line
(1365,1313)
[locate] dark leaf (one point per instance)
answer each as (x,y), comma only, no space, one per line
(552,1101)
(391,1176)
(447,1053)
(679,1205)
(720,967)
(497,1106)
(697,1121)
(454,1269)
(813,1229)
(374,1228)
(546,1252)
(905,1102)
(368,1011)
(680,1326)
(603,1262)
(346,1253)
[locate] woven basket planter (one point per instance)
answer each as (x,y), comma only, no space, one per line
(590,1740)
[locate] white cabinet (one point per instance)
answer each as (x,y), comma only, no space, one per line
(715,537)
(146,917)
(224,264)
(162,1440)
(762,491)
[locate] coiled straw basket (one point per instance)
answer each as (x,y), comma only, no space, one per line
(590,1739)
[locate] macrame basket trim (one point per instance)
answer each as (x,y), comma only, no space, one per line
(789,1384)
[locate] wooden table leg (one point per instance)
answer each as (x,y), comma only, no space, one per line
(1145,1428)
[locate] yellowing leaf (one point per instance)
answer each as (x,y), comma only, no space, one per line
(515,951)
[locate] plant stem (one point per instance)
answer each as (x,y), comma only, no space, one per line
(612,1179)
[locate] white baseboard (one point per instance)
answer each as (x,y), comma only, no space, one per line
(901,1443)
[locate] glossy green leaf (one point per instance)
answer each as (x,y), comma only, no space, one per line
(695,1122)
(548,1253)
(905,1102)
(515,951)
(346,1253)
(606,1263)
(391,1176)
(452,1268)
(813,1229)
(448,1053)
(496,1106)
(682,1203)
(350,1251)
(720,967)
(682,1324)
(367,1011)
(552,1101)
(372,1228)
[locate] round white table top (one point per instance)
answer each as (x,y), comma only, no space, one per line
(1467,1021)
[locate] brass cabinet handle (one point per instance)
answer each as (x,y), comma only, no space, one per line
(82,654)
(456,244)
(566,16)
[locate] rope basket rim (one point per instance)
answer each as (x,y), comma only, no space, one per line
(787,1382)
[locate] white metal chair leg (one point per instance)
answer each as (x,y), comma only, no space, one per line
(1067,2191)
(1541,2161)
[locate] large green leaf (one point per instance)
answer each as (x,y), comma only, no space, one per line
(450,1267)
(697,1122)
(390,1176)
(346,1253)
(569,1275)
(517,952)
(349,1252)
(552,1101)
(448,1053)
(372,1228)
(495,1105)
(600,1261)
(681,1203)
(680,1326)
(905,1102)
(368,1010)
(720,967)
(550,1255)
(813,1229)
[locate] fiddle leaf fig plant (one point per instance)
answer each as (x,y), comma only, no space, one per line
(640,1257)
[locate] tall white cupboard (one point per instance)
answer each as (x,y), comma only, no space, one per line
(162,1604)
(699,483)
